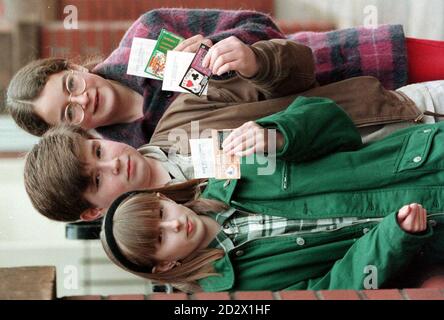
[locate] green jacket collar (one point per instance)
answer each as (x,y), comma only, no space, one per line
(221,190)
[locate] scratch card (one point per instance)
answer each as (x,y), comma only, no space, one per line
(209,160)
(196,77)
(225,167)
(156,64)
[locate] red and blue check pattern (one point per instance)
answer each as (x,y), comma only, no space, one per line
(339,54)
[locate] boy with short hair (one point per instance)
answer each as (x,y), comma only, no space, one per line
(71,175)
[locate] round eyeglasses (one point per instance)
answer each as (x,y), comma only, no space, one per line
(76,85)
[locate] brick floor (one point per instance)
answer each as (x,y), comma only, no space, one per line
(339,295)
(298,295)
(211,296)
(382,294)
(424,294)
(168,296)
(253,295)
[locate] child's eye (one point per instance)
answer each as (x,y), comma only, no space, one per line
(98,152)
(160,237)
(70,84)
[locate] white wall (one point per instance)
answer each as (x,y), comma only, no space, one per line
(29,239)
(421,18)
(18,219)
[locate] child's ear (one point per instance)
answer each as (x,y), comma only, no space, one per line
(92,214)
(165,266)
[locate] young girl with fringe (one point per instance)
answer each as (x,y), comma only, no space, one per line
(332,210)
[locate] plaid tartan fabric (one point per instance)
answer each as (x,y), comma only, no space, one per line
(338,55)
(379,52)
(239,227)
(249,26)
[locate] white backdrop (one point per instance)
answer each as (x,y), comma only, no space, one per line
(421,18)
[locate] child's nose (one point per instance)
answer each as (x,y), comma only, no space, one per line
(81,99)
(173,225)
(113,165)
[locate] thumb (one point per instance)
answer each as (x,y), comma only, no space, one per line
(403,213)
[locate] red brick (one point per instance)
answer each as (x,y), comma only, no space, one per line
(83,298)
(424,294)
(253,295)
(45,43)
(383,294)
(126,297)
(298,295)
(94,10)
(211,296)
(339,295)
(168,296)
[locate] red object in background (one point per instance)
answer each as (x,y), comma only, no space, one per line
(104,22)
(2,9)
(96,38)
(425,60)
(118,10)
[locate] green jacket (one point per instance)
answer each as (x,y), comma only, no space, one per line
(312,182)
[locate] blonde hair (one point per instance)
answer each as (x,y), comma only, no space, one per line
(135,229)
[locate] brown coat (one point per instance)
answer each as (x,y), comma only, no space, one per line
(287,71)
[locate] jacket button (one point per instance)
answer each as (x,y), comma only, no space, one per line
(168,94)
(226,226)
(433,223)
(227,183)
(300,241)
(417,159)
(365,230)
(239,253)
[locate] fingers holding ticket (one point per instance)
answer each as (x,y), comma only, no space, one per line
(192,44)
(252,138)
(231,54)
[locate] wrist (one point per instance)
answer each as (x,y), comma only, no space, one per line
(252,66)
(250,72)
(280,140)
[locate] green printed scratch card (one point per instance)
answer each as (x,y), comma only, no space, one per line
(166,41)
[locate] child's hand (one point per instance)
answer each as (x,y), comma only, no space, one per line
(231,54)
(412,218)
(248,139)
(193,43)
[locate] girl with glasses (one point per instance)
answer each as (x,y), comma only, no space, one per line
(128,109)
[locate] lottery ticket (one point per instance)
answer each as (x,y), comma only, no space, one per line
(196,77)
(225,167)
(209,160)
(156,64)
